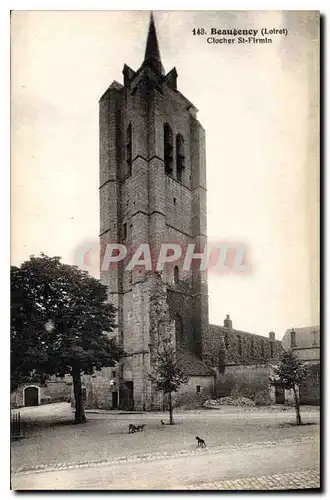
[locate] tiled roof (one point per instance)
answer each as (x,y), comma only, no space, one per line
(218,329)
(304,337)
(191,363)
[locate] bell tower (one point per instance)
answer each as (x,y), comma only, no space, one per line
(152,191)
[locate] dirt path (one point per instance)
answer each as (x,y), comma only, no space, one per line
(183,472)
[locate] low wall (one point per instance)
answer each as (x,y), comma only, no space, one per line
(248,380)
(54,391)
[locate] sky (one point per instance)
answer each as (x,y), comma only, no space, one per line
(258,104)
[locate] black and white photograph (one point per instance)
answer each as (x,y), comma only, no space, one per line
(165,250)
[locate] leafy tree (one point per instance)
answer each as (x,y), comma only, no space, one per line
(60,323)
(289,374)
(28,352)
(168,375)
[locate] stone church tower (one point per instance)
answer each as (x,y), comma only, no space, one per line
(152,190)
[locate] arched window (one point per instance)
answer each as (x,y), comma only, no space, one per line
(129,149)
(176,275)
(180,157)
(168,149)
(178,328)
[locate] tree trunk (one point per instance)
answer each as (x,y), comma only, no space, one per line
(80,412)
(296,402)
(170,408)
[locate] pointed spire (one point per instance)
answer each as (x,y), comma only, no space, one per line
(152,53)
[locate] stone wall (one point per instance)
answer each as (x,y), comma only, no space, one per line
(310,389)
(53,391)
(226,346)
(248,380)
(205,385)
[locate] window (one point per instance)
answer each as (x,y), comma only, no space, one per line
(272,349)
(129,149)
(262,349)
(178,328)
(114,374)
(122,370)
(121,340)
(226,341)
(198,389)
(124,232)
(252,347)
(176,275)
(239,345)
(168,149)
(180,158)
(293,338)
(316,378)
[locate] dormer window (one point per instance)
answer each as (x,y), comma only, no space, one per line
(180,157)
(168,149)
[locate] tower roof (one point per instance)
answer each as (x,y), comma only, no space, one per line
(152,53)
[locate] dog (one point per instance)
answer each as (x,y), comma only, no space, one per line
(135,428)
(162,422)
(200,443)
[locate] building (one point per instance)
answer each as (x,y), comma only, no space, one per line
(305,342)
(54,390)
(152,190)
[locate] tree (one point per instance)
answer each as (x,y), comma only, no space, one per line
(61,321)
(168,375)
(289,374)
(28,352)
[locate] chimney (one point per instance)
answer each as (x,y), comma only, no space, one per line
(271,335)
(227,323)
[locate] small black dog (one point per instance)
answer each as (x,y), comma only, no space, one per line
(200,443)
(162,422)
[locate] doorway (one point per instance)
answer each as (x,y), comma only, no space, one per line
(115,400)
(126,396)
(31,396)
(279,396)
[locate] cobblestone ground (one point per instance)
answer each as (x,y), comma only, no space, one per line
(290,481)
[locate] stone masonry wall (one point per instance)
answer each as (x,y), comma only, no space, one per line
(226,346)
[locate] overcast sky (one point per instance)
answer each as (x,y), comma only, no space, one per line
(258,104)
